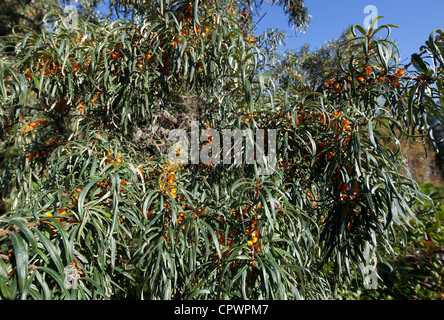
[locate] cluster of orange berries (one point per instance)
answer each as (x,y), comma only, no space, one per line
(250,117)
(142,171)
(345,195)
(78,66)
(43,152)
(51,68)
(73,41)
(251,231)
(195,30)
(338,87)
(182,216)
(54,142)
(312,200)
(253,234)
(327,119)
(80,106)
(167,184)
(117,52)
(282,114)
(96,96)
(124,182)
(34,124)
(75,196)
(61,220)
(112,159)
(103,183)
(181,219)
(140,61)
(61,105)
(366,72)
(168,177)
(79,268)
(394,80)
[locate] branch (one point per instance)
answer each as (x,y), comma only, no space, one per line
(28,224)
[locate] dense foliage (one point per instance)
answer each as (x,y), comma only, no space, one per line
(94,208)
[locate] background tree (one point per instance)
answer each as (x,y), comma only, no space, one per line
(304,69)
(31,13)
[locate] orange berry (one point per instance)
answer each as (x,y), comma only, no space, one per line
(116,54)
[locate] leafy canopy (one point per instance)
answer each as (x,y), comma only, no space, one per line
(94,209)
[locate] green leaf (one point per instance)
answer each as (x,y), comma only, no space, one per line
(58,278)
(26,231)
(420,65)
(51,249)
(21,258)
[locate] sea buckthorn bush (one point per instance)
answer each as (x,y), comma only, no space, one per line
(95,209)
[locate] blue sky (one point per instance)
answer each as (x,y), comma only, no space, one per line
(416,20)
